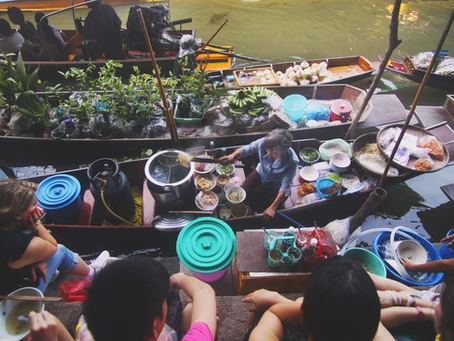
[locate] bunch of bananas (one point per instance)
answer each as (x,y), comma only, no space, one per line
(249,101)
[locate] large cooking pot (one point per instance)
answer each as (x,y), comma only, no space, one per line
(170,183)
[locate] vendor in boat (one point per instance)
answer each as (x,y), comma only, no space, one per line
(102,31)
(29,254)
(27,29)
(269,184)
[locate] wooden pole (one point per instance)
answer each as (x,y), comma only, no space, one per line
(167,108)
(214,34)
(418,94)
(394,41)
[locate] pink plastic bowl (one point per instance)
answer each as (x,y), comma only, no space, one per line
(211,277)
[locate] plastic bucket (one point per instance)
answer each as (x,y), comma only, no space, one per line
(206,246)
(447,252)
(294,106)
(60,196)
(371,261)
(7,306)
(430,280)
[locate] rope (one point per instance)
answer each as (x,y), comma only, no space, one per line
(112,212)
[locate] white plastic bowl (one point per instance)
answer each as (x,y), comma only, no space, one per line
(233,189)
(411,250)
(339,162)
(309,173)
(6,306)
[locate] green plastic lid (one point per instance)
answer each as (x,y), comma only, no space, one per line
(206,245)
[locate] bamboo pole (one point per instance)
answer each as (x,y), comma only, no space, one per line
(418,94)
(167,108)
(214,34)
(394,41)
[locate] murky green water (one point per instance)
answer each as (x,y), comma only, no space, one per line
(284,29)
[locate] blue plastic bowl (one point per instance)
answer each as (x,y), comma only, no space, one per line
(324,183)
(294,106)
(447,252)
(433,254)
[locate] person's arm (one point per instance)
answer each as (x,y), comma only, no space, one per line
(271,325)
(203,299)
(391,298)
(271,210)
(34,225)
(383,334)
(46,327)
(382,283)
(231,157)
(441,265)
(448,239)
(262,299)
(396,316)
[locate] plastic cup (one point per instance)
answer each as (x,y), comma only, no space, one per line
(293,256)
(288,241)
(270,240)
(302,240)
(275,257)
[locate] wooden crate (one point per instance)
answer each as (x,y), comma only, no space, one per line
(236,74)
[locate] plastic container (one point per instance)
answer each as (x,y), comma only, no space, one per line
(430,280)
(60,196)
(269,240)
(369,260)
(411,250)
(447,252)
(340,110)
(6,307)
(275,258)
(339,162)
(294,106)
(325,183)
(206,246)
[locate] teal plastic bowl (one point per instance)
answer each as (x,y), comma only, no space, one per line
(294,106)
(369,260)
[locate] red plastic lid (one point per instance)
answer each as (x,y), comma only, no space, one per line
(342,106)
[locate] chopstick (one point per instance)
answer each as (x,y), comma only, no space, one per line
(32,298)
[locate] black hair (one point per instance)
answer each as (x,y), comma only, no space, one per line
(5,28)
(15,14)
(447,312)
(125,298)
(38,16)
(340,302)
(46,31)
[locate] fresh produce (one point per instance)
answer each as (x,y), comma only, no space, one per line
(304,74)
(249,101)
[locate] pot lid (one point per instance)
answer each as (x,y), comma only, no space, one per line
(162,168)
(206,245)
(342,106)
(58,191)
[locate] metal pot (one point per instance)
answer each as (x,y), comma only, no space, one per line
(170,183)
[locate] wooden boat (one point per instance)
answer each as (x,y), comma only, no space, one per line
(51,5)
(343,70)
(383,109)
(407,69)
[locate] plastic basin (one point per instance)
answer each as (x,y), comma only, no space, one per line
(372,262)
(325,183)
(294,106)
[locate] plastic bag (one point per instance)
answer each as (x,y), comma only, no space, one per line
(331,147)
(317,112)
(155,128)
(435,146)
(74,290)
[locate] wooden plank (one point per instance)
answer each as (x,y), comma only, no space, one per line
(386,109)
(449,191)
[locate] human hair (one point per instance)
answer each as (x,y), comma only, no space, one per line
(125,298)
(47,31)
(447,313)
(38,16)
(93,4)
(15,15)
(340,302)
(15,197)
(278,141)
(5,28)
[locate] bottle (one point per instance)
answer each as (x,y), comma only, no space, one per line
(309,251)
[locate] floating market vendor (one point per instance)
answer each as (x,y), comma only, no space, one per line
(269,184)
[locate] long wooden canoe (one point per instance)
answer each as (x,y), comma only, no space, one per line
(383,109)
(407,69)
(343,70)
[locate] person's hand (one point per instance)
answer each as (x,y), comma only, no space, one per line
(268,213)
(39,270)
(78,24)
(262,299)
(34,217)
(227,160)
(449,240)
(386,298)
(174,281)
(409,265)
(43,326)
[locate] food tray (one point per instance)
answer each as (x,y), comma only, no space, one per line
(418,132)
(236,74)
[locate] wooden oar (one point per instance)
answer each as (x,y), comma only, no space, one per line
(32,298)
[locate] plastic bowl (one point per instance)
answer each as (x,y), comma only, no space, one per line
(294,106)
(202,167)
(411,250)
(339,162)
(209,177)
(6,306)
(447,252)
(431,279)
(221,169)
(201,205)
(235,189)
(369,260)
(312,150)
(324,183)
(210,277)
(309,173)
